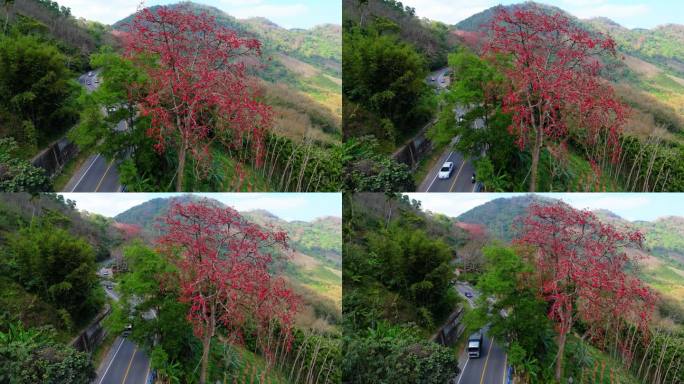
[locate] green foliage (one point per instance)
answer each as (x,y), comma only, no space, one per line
(370,171)
(58,267)
(168,334)
(394,354)
(30,356)
(17,175)
(385,75)
(524,324)
(36,88)
(397,288)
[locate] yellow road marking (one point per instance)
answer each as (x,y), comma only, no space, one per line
(484,369)
(129,365)
(456,178)
(105,175)
(503,380)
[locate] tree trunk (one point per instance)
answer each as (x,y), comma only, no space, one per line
(206,345)
(180,172)
(536,150)
(561,351)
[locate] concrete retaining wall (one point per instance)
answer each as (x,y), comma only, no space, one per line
(54,157)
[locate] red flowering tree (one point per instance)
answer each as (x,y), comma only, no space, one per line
(198,91)
(554,83)
(582,264)
(223,269)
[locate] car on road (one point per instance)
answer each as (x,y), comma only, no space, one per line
(433,78)
(127,330)
(90,73)
(468,294)
(90,82)
(445,171)
(475,345)
(97,81)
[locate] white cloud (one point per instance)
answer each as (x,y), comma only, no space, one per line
(107,12)
(269,11)
(613,11)
(582,3)
(449,11)
(451,204)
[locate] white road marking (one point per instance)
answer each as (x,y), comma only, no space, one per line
(85,173)
(110,362)
(463,371)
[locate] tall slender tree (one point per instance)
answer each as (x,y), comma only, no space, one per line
(581,264)
(198,89)
(223,266)
(555,89)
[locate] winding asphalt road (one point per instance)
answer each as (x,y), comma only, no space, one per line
(125,363)
(97,174)
(461,178)
(491,367)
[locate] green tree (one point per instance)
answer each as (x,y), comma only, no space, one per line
(30,356)
(394,354)
(158,318)
(516,315)
(18,175)
(386,75)
(57,266)
(36,87)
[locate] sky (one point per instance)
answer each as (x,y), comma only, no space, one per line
(287,206)
(629,13)
(630,206)
(286,13)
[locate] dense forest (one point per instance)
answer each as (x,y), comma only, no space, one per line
(387,55)
(42,48)
(49,289)
(397,280)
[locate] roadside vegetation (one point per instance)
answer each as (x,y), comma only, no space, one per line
(397,282)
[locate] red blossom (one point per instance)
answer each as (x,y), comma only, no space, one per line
(223,266)
(582,267)
(198,90)
(554,84)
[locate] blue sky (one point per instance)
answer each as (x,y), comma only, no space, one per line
(629,13)
(288,206)
(631,206)
(286,13)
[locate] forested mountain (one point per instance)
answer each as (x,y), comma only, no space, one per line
(320,238)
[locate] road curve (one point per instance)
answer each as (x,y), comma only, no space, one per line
(97,174)
(490,368)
